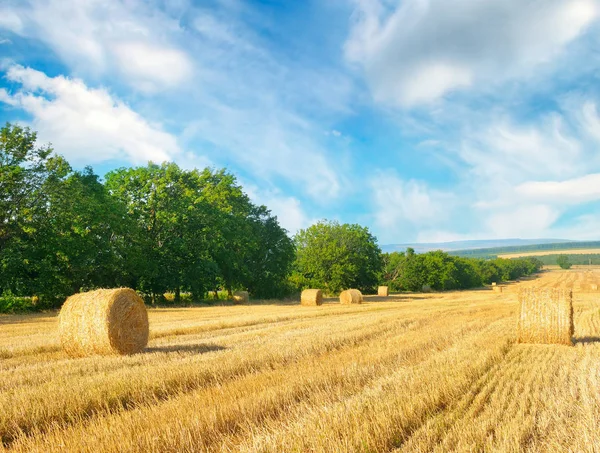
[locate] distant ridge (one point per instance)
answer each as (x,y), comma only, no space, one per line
(470,245)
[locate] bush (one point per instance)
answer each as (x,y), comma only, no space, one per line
(12,304)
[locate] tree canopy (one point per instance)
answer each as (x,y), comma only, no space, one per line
(336,256)
(155,228)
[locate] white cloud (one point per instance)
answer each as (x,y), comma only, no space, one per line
(99,38)
(9,20)
(288,209)
(577,190)
(276,144)
(524,221)
(420,50)
(87,125)
(506,152)
(401,206)
(152,66)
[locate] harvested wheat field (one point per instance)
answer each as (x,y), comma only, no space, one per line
(415,373)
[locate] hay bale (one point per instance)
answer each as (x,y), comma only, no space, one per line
(383,291)
(241,297)
(426,289)
(105,321)
(494,283)
(351,296)
(311,297)
(546,316)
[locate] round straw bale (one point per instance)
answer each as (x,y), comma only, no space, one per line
(241,297)
(105,321)
(351,296)
(383,291)
(311,297)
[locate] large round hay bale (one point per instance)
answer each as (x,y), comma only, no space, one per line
(383,291)
(105,321)
(311,297)
(241,297)
(546,316)
(351,296)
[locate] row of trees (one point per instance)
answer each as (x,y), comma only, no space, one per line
(440,271)
(160,228)
(156,228)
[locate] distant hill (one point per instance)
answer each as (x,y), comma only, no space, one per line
(472,245)
(530,249)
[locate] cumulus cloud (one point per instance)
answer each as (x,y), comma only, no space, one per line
(87,125)
(128,37)
(421,50)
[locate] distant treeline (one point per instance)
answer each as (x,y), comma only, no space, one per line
(493,252)
(440,271)
(573,258)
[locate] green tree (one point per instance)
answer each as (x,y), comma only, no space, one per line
(80,239)
(23,170)
(337,256)
(563,262)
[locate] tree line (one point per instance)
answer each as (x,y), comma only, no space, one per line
(155,228)
(440,271)
(163,229)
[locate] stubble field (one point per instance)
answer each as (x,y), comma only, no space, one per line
(414,373)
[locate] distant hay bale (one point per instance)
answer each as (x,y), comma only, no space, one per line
(311,297)
(494,283)
(426,288)
(351,296)
(383,291)
(241,297)
(546,316)
(105,322)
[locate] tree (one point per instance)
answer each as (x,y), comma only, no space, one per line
(270,256)
(23,170)
(337,256)
(80,237)
(563,262)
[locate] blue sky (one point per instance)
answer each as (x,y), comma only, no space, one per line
(426,120)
